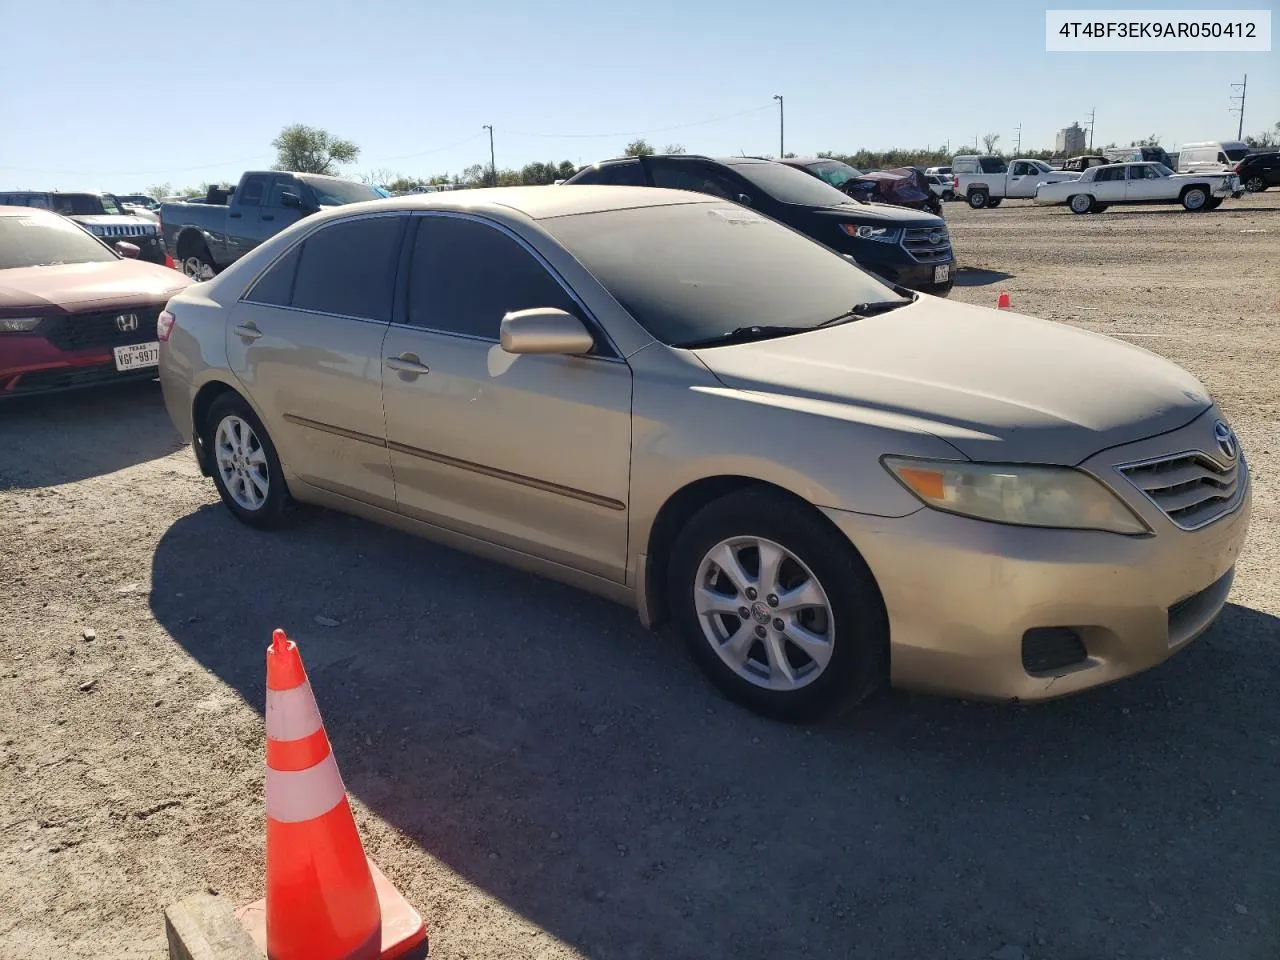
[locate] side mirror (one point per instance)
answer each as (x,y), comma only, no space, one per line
(291,200)
(127,249)
(545,330)
(744,199)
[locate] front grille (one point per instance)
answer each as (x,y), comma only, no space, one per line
(84,330)
(67,378)
(1048,650)
(927,244)
(1192,489)
(121,231)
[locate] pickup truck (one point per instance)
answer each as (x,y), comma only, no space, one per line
(205,237)
(986,181)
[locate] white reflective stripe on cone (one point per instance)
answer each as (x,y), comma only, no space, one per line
(297,795)
(292,714)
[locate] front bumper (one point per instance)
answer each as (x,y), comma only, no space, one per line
(916,276)
(962,594)
(73,351)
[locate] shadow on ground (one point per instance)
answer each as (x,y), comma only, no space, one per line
(974,277)
(544,746)
(64,437)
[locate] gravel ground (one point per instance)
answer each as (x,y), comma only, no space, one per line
(544,779)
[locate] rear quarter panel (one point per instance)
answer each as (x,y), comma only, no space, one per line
(194,355)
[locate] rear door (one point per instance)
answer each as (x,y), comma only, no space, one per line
(530,452)
(306,342)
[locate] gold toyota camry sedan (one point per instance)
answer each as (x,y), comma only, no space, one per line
(666,398)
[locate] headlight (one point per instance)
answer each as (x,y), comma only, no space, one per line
(19,324)
(865,232)
(1024,495)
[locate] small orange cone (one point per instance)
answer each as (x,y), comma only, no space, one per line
(325,899)
(168,262)
(1002,301)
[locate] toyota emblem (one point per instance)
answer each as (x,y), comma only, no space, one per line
(127,322)
(1226,439)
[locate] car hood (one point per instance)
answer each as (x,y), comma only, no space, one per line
(880,213)
(997,386)
(71,287)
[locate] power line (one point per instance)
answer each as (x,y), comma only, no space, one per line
(423,153)
(637,133)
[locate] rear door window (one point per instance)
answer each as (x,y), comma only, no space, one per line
(348,268)
(992,165)
(250,193)
(275,287)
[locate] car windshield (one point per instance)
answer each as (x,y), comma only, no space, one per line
(789,185)
(110,205)
(1237,153)
(44,240)
(834,172)
(335,193)
(698,271)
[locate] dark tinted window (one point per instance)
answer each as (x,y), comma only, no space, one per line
(628,174)
(332,192)
(992,165)
(1109,173)
(250,194)
(699,177)
(280,187)
(465,276)
(276,285)
(349,268)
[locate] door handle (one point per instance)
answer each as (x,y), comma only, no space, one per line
(234,216)
(268,216)
(407,363)
(248,331)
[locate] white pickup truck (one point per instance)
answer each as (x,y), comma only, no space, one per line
(986,181)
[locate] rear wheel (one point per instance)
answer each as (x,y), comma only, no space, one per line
(977,199)
(197,262)
(246,469)
(777,607)
(1195,198)
(1255,184)
(1081,203)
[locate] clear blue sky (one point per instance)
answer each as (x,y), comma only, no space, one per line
(103,94)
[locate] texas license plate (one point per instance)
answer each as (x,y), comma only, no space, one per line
(942,273)
(136,356)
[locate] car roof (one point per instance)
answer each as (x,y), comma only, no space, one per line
(536,203)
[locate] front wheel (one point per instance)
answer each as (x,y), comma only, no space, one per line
(777,607)
(1255,184)
(246,468)
(1195,199)
(1081,203)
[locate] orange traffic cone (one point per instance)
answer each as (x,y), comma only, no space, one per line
(325,899)
(1002,301)
(168,262)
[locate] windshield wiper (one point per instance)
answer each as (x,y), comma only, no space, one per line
(767,331)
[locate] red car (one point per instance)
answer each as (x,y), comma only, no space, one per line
(73,311)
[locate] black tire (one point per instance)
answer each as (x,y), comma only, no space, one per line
(1195,199)
(273,512)
(977,199)
(1081,208)
(994,202)
(195,261)
(1255,184)
(858,625)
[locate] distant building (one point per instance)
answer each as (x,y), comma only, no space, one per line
(1070,140)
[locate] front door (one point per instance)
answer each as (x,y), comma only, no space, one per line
(531,452)
(1145,184)
(306,341)
(1023,178)
(243,215)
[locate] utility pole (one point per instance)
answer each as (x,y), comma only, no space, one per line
(1244,88)
(1092,113)
(782,150)
(493,167)
(975,143)
(1018,149)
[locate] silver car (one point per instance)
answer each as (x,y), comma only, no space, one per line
(678,403)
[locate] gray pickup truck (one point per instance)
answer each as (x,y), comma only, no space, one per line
(206,236)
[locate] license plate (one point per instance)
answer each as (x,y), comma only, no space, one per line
(137,356)
(942,273)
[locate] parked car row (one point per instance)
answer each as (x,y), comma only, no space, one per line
(1139,183)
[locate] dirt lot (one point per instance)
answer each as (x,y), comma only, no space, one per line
(544,779)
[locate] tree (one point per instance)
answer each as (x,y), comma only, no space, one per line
(1151,141)
(381,177)
(989,141)
(1268,138)
(567,169)
(638,148)
(304,149)
(674,148)
(158,190)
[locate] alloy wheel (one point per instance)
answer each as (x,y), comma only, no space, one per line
(764,613)
(242,463)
